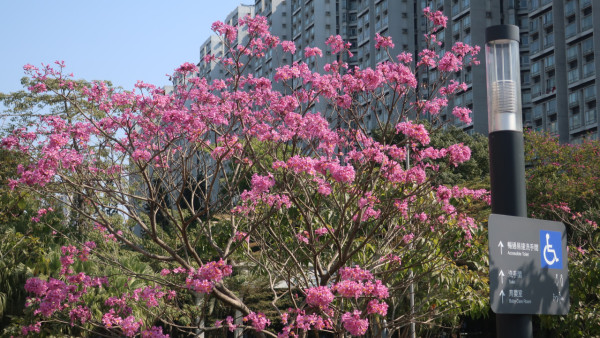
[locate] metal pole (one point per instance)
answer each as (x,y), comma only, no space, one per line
(507,181)
(507,163)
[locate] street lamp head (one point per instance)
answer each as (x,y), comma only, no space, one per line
(503,78)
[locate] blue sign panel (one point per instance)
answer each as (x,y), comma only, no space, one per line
(551,249)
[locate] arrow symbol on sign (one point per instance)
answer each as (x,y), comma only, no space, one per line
(502,295)
(500,245)
(501,275)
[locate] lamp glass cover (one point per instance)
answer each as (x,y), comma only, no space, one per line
(503,85)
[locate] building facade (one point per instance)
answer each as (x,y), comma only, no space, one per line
(558,47)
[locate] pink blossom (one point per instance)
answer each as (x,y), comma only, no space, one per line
(458,153)
(450,63)
(355,325)
(383,42)
(228,31)
(376,307)
(320,296)
(413,131)
(428,58)
(31,328)
(110,319)
(336,44)
(230,324)
(376,289)
(154,332)
(462,114)
(392,259)
(187,68)
(81,314)
(321,231)
(130,326)
(312,51)
(302,237)
(405,57)
(436,17)
(240,235)
(288,46)
(258,320)
(349,289)
(355,274)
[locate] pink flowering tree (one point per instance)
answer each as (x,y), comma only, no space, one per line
(226,179)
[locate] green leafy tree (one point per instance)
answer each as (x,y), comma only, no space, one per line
(473,173)
(563,182)
(561,173)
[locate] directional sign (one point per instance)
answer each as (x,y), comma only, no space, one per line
(528,266)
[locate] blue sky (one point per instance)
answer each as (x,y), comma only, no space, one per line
(118,40)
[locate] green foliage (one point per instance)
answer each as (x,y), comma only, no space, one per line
(22,108)
(473,173)
(561,173)
(563,182)
(20,255)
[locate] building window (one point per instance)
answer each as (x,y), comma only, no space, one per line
(549,62)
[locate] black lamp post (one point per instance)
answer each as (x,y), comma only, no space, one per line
(507,162)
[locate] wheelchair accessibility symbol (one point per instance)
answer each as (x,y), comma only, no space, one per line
(551,252)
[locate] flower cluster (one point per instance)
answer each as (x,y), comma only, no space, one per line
(55,295)
(354,323)
(320,296)
(203,279)
(258,321)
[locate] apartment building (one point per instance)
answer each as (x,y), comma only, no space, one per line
(558,47)
(560,81)
(215,46)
